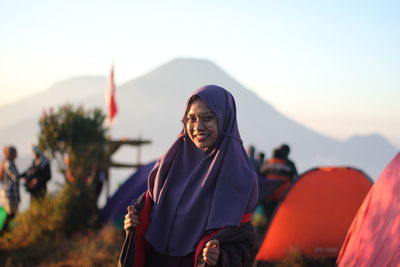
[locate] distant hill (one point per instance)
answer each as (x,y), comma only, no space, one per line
(151,106)
(71,90)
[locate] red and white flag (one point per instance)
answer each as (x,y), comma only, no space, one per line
(110,100)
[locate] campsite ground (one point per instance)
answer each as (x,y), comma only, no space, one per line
(298,260)
(101,247)
(94,248)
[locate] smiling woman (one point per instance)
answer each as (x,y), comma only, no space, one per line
(201,124)
(200,195)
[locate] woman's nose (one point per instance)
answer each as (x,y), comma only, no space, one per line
(199,125)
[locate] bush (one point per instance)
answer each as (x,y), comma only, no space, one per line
(59,229)
(62,228)
(63,214)
(75,208)
(78,135)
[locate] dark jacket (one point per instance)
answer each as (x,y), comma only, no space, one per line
(237,244)
(40,169)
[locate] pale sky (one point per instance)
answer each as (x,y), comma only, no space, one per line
(332,66)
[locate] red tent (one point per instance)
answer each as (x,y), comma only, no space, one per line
(374,236)
(315,214)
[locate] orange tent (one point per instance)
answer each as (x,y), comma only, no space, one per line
(315,214)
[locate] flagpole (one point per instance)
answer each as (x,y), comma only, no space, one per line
(110,117)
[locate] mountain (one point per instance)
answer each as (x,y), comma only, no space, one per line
(151,106)
(71,90)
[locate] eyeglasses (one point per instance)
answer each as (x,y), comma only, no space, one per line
(208,120)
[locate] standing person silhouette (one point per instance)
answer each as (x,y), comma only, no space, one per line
(260,159)
(285,150)
(38,174)
(251,150)
(278,168)
(200,196)
(9,181)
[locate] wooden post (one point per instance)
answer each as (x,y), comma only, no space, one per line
(139,151)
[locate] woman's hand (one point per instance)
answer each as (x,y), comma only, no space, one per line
(131,218)
(211,252)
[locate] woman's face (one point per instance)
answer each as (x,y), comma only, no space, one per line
(201,125)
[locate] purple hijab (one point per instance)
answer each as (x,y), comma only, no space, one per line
(196,191)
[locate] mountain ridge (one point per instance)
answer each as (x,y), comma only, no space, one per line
(59,93)
(152,105)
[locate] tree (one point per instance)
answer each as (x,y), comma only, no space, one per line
(77,137)
(78,134)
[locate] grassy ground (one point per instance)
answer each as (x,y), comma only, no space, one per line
(61,230)
(93,248)
(298,259)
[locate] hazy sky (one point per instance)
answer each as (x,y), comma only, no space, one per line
(330,65)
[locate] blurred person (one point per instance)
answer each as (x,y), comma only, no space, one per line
(197,209)
(251,151)
(37,175)
(9,181)
(285,149)
(260,161)
(278,168)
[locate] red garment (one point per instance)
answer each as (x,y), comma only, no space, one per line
(141,245)
(135,254)
(277,169)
